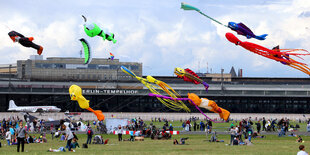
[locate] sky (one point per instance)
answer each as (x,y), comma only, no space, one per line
(159,34)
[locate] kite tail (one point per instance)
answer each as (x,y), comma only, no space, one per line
(98,113)
(261,37)
(206,85)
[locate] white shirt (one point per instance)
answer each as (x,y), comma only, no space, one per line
(301,152)
(68,131)
(8,135)
(120,131)
(232,131)
(236,130)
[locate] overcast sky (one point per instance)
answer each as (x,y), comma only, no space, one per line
(160,34)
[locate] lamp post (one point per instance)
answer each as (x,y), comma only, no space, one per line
(10,78)
(118,67)
(222,80)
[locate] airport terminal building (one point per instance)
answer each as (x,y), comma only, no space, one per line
(72,69)
(46,82)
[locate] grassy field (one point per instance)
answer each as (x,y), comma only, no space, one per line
(196,144)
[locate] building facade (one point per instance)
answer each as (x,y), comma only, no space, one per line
(38,82)
(73,69)
(240,95)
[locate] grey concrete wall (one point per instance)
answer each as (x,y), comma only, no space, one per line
(169,116)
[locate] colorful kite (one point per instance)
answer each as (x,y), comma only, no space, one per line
(92,30)
(111,56)
(26,42)
(76,95)
(87,51)
(240,28)
(190,76)
(280,55)
(204,103)
(151,83)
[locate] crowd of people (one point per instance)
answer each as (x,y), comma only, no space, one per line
(192,125)
(241,132)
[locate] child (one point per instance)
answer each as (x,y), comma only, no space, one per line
(75,144)
(8,137)
(63,137)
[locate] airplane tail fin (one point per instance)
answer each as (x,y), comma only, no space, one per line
(12,104)
(261,37)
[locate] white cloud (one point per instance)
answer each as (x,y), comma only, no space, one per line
(159,33)
(171,37)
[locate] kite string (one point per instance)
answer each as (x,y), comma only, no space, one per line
(212,19)
(7,27)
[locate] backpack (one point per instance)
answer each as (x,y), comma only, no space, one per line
(84,145)
(89,132)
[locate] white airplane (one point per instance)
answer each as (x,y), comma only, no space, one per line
(13,107)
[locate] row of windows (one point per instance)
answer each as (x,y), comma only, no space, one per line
(81,66)
(113,103)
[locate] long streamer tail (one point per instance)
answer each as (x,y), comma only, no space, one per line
(185,99)
(206,85)
(98,113)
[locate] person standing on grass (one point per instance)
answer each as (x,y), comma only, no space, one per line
(171,127)
(210,125)
(232,134)
(120,133)
(8,137)
(258,126)
(302,150)
(69,135)
(89,135)
(264,124)
(21,134)
(12,133)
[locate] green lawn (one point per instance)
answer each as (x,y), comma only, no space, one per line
(196,145)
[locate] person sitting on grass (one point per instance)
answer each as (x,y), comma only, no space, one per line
(282,131)
(236,141)
(246,142)
(256,135)
(214,137)
(165,135)
(182,141)
(97,139)
(74,143)
(57,134)
(61,149)
(299,139)
(34,139)
(63,136)
(30,139)
(138,133)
